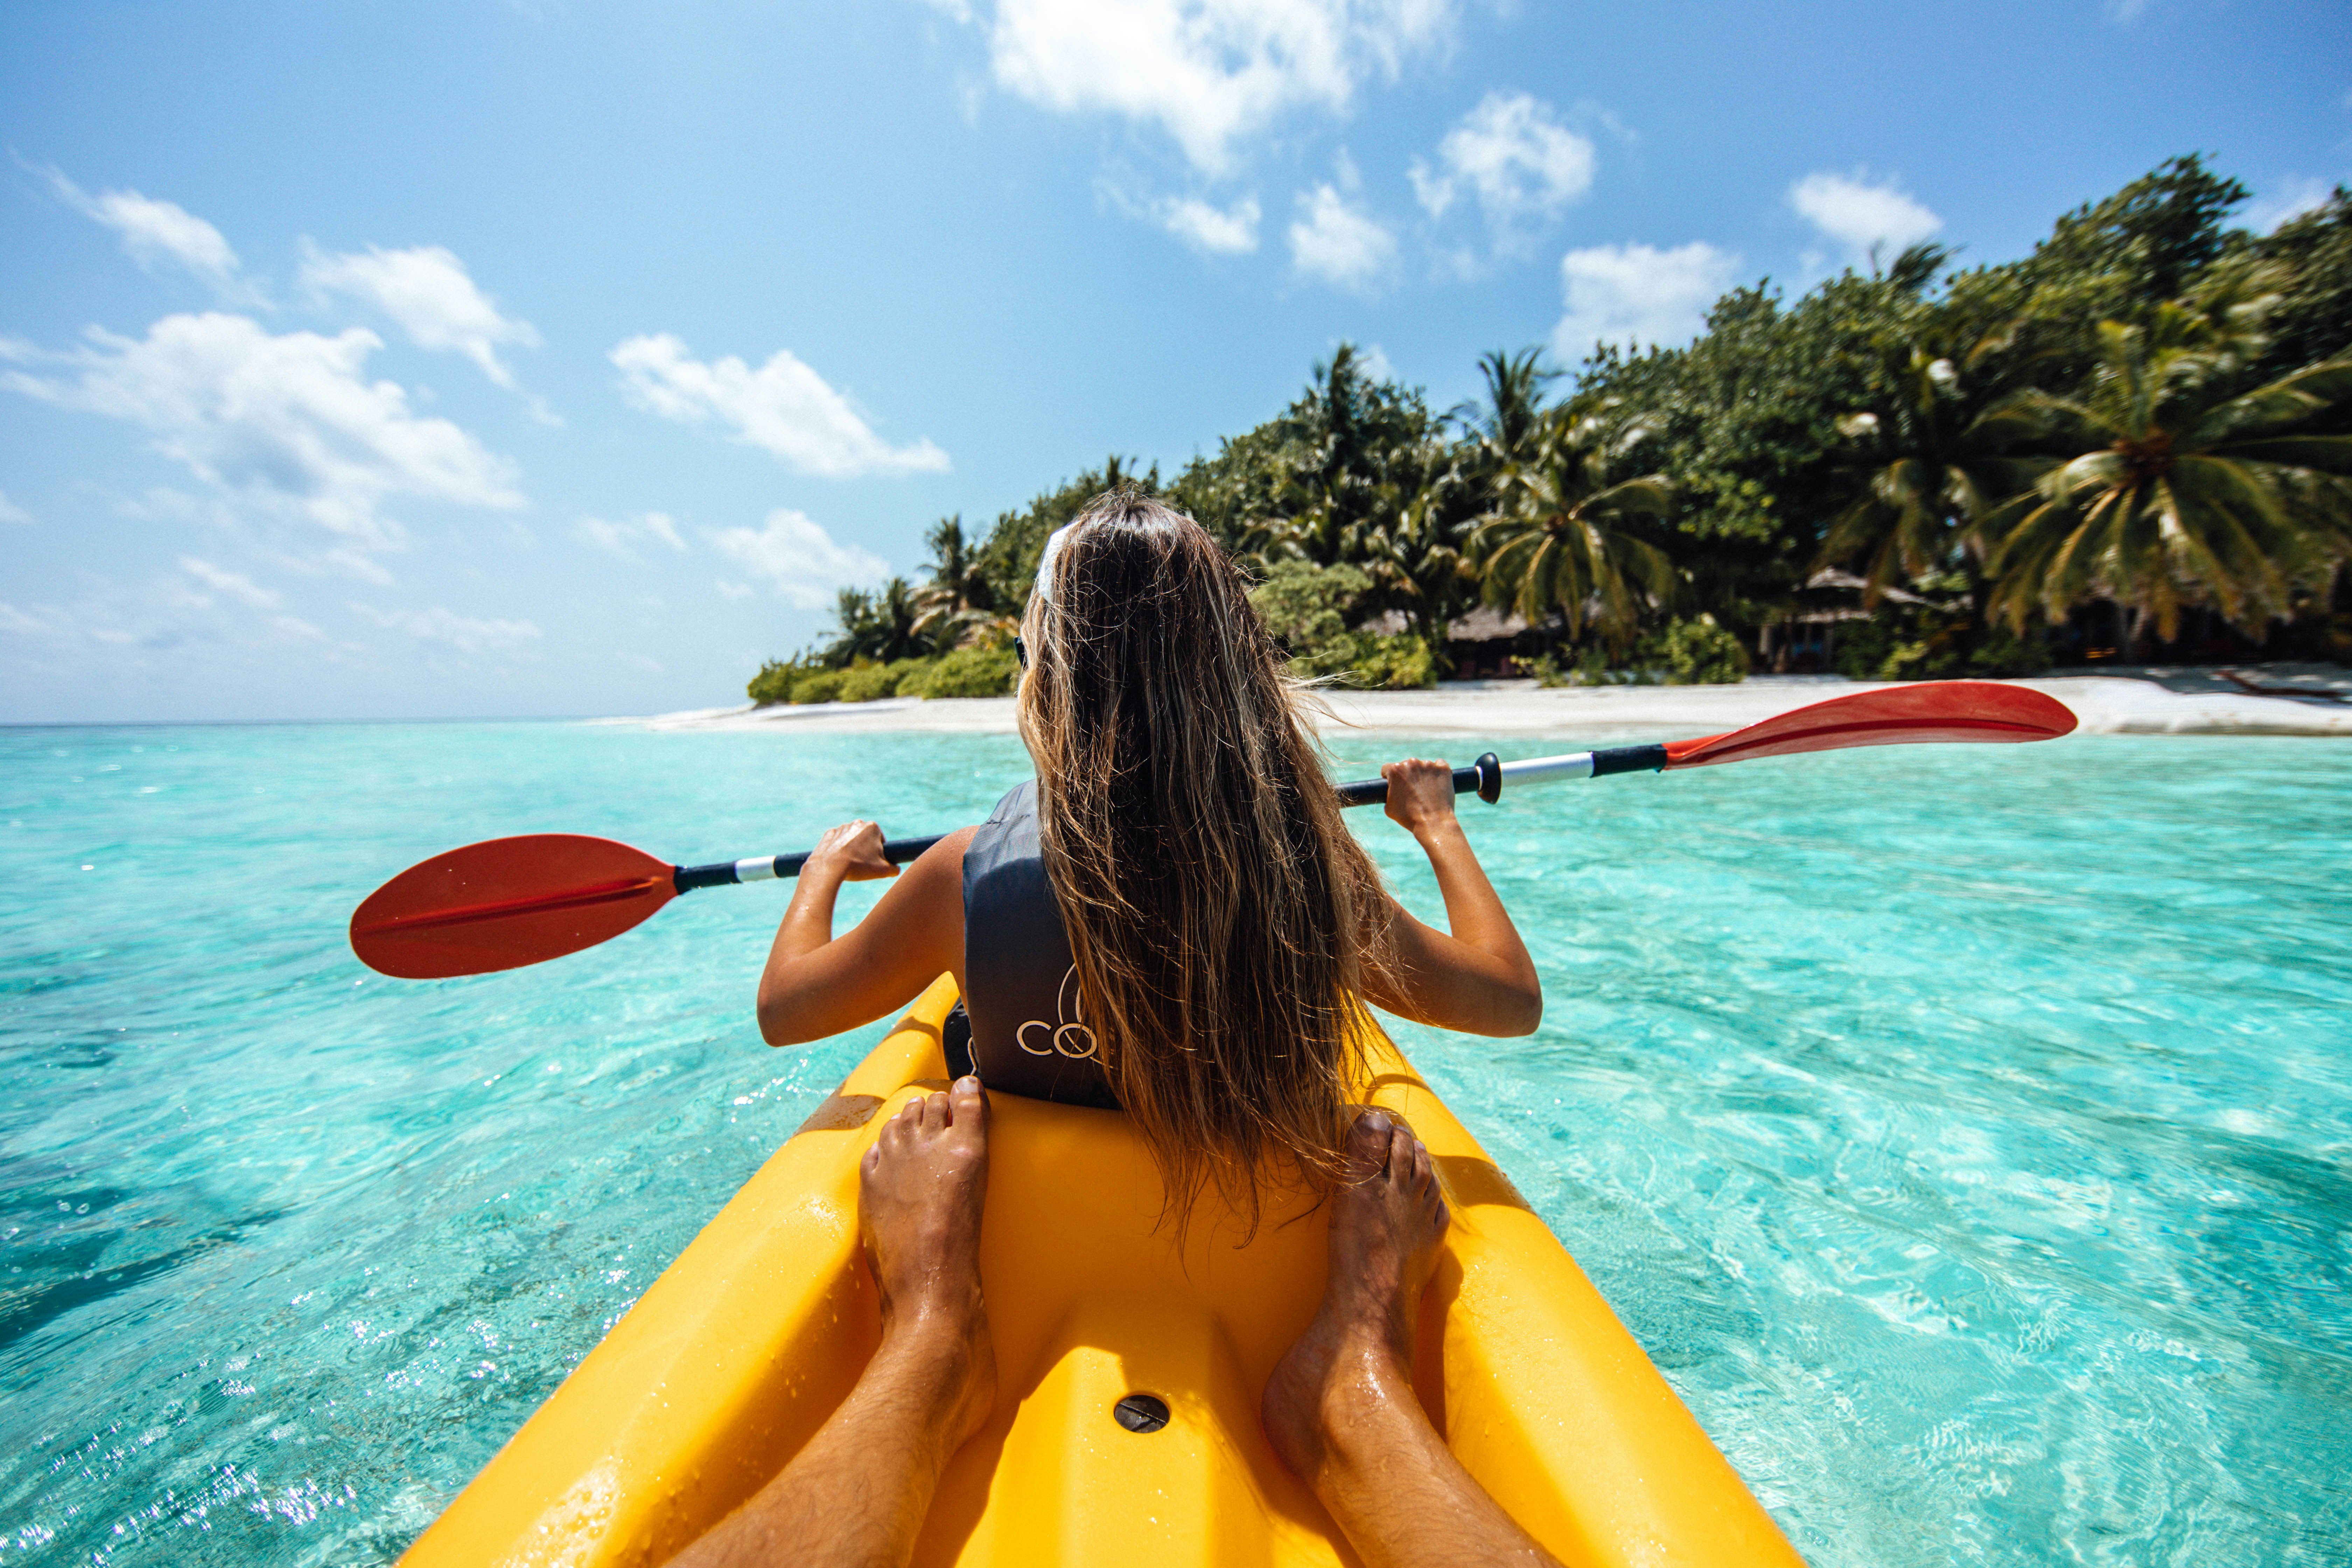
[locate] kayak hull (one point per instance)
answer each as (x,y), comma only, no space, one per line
(742,1348)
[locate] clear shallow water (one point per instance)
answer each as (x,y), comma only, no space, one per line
(1966,1133)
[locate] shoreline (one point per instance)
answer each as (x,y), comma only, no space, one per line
(2186,700)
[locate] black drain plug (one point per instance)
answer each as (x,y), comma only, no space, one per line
(1141,1412)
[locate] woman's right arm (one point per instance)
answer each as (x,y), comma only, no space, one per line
(817,984)
(1477,977)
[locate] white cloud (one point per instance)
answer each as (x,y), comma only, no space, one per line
(620,538)
(784,406)
(156,232)
(1863,218)
(11,512)
(1637,294)
(429,293)
(1337,241)
(1223,231)
(43,622)
(797,558)
(282,426)
(1512,154)
(1207,71)
(1199,224)
(465,634)
(1373,361)
(2288,202)
(236,585)
(734,590)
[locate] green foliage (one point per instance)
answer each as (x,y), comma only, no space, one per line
(1544,669)
(1400,663)
(869,682)
(2145,244)
(2313,320)
(775,680)
(865,683)
(968,672)
(1697,652)
(1306,605)
(1923,642)
(2001,653)
(823,686)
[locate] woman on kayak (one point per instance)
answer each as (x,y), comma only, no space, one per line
(1171,920)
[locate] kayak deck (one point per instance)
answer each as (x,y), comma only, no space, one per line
(742,1348)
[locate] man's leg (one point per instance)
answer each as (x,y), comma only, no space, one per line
(1341,1408)
(857,1493)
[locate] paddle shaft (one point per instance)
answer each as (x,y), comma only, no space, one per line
(1484,778)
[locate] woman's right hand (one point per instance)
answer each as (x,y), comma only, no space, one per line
(853,852)
(1421,794)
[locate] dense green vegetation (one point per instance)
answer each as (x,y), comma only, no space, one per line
(2133,441)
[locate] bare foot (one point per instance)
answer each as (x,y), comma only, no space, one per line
(1356,1357)
(920,1191)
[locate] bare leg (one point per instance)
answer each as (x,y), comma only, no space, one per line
(1339,1407)
(857,1493)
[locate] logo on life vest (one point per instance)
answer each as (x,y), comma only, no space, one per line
(1065,1036)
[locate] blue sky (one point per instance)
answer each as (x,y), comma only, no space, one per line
(445,360)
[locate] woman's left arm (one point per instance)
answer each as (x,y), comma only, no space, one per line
(816,985)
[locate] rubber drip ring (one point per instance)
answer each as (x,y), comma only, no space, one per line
(1142,1413)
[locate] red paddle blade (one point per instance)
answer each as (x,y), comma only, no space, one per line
(504,903)
(1896,716)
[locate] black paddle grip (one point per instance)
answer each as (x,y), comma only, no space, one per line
(1482,778)
(685,878)
(1628,760)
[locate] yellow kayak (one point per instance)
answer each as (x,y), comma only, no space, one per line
(740,1349)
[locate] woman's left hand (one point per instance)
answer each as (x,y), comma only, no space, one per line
(1421,794)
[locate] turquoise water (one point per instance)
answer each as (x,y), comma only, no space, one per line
(1966,1133)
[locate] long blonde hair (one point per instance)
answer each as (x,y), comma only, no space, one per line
(1220,914)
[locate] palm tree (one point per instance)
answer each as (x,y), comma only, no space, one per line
(1938,460)
(879,626)
(1557,538)
(2180,491)
(958,597)
(1513,417)
(1417,562)
(1353,453)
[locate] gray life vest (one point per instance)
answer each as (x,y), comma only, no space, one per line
(1021,991)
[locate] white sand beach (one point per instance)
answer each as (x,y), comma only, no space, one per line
(2153,701)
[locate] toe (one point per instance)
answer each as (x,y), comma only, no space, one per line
(1401,1145)
(968,1105)
(1368,1144)
(935,1113)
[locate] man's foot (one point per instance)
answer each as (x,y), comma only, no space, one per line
(1387,1217)
(921,1190)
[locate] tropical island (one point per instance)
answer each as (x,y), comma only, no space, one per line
(2133,444)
